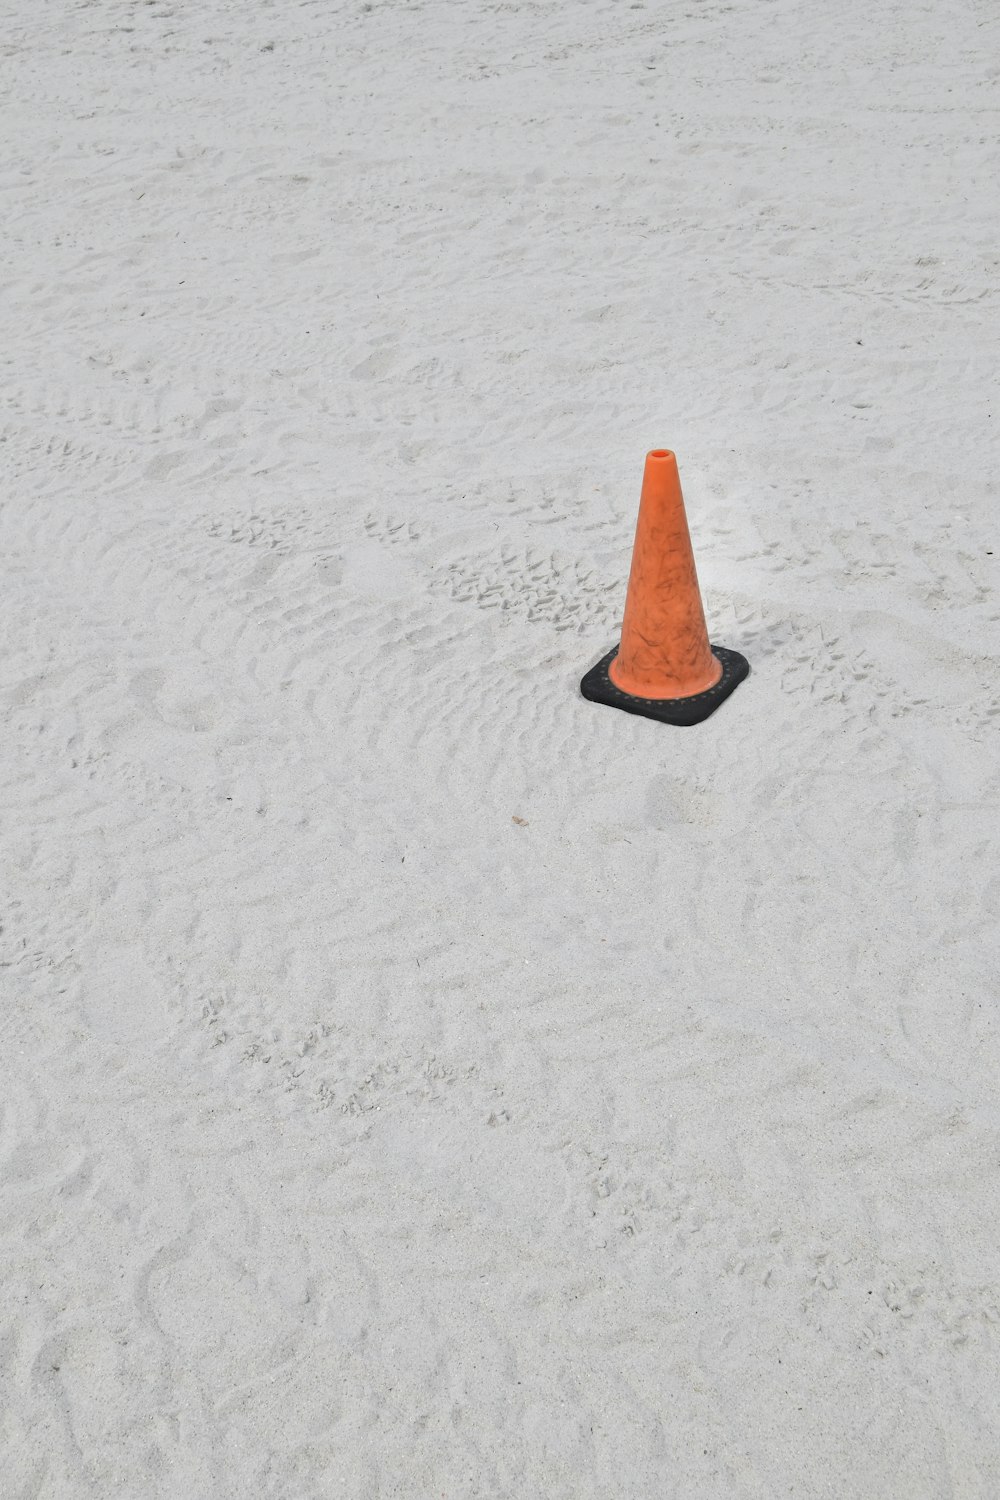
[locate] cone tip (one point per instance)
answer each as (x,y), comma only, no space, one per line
(659,453)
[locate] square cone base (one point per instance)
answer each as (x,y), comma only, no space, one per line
(598,687)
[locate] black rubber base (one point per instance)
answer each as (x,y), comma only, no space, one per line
(598,687)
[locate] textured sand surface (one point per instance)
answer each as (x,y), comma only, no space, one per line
(356,1139)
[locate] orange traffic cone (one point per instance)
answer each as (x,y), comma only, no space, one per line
(664,667)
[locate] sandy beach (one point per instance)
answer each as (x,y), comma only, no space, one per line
(416,1081)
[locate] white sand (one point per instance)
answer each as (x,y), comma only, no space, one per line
(357,1140)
